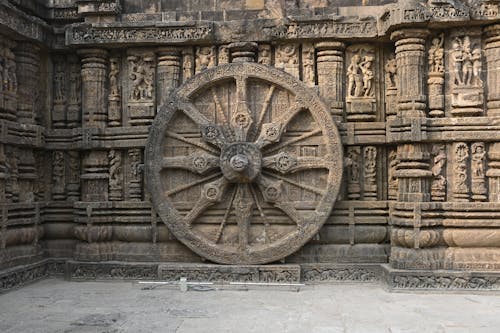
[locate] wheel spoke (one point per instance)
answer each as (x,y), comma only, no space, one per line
(292,141)
(284,162)
(297,184)
(184,187)
(264,109)
(193,113)
(191,142)
(244,206)
(267,225)
(241,120)
(211,194)
(226,216)
(272,132)
(197,162)
(272,191)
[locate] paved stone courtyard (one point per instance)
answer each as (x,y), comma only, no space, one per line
(55,305)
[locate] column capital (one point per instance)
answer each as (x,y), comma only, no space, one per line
(410,33)
(330,45)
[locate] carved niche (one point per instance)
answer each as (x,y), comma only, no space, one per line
(141,94)
(237,177)
(360,83)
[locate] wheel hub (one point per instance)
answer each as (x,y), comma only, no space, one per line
(241,162)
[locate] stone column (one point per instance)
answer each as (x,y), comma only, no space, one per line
(243,52)
(411,67)
(8,81)
(492,54)
(28,66)
(168,71)
(413,172)
(330,64)
(493,172)
(94,65)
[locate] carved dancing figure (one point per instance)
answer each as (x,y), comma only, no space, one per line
(115,161)
(457,59)
(114,70)
(478,157)
(355,77)
(391,73)
(467,62)
(436,55)
(366,70)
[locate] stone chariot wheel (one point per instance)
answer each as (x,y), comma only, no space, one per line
(243,164)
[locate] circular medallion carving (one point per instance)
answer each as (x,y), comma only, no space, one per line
(243,164)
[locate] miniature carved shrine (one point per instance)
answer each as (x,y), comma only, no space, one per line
(251,140)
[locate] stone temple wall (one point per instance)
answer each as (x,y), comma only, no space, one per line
(99,152)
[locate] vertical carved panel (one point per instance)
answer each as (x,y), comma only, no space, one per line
(169,70)
(94,101)
(330,63)
(3,174)
(27,58)
(114,96)
(460,172)
(360,85)
(493,172)
(391,87)
(187,63)
(141,88)
(59,93)
(205,58)
(354,172)
(115,175)
(370,173)
(8,66)
(465,68)
(265,55)
(95,175)
(223,55)
(492,55)
(439,157)
(73,116)
(308,74)
(58,176)
(27,175)
(134,174)
(391,175)
(435,80)
(73,176)
(12,186)
(287,59)
(478,164)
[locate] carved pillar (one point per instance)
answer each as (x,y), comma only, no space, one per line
(59,92)
(58,176)
(243,52)
(492,55)
(27,175)
(95,176)
(94,102)
(168,71)
(28,65)
(8,84)
(330,63)
(73,176)
(134,174)
(414,176)
(410,60)
(73,114)
(493,172)
(3,174)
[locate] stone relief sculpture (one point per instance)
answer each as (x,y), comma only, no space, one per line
(391,175)
(370,173)
(438,189)
(187,64)
(478,163)
(391,87)
(460,172)
(436,76)
(354,172)
(141,76)
(58,189)
(264,56)
(114,97)
(308,64)
(287,58)
(360,83)
(205,58)
(115,175)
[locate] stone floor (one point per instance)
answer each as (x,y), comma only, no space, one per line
(59,306)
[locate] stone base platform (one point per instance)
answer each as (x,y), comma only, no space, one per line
(404,280)
(309,273)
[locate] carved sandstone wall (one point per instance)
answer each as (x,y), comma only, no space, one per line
(412,88)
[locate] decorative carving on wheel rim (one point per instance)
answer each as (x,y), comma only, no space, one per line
(243,164)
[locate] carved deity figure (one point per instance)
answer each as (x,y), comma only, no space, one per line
(367,71)
(3,82)
(115,161)
(223,55)
(308,65)
(205,58)
(354,77)
(114,71)
(187,66)
(466,63)
(478,158)
(436,55)
(265,55)
(391,73)
(141,76)
(11,77)
(58,175)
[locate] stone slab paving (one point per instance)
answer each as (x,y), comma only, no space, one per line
(55,305)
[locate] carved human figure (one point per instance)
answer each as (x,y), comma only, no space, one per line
(205,58)
(477,66)
(308,65)
(11,75)
(467,62)
(439,181)
(2,74)
(366,70)
(436,55)
(115,162)
(58,175)
(391,73)
(457,57)
(265,55)
(187,66)
(478,158)
(114,71)
(355,77)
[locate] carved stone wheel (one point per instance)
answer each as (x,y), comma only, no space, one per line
(244,164)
